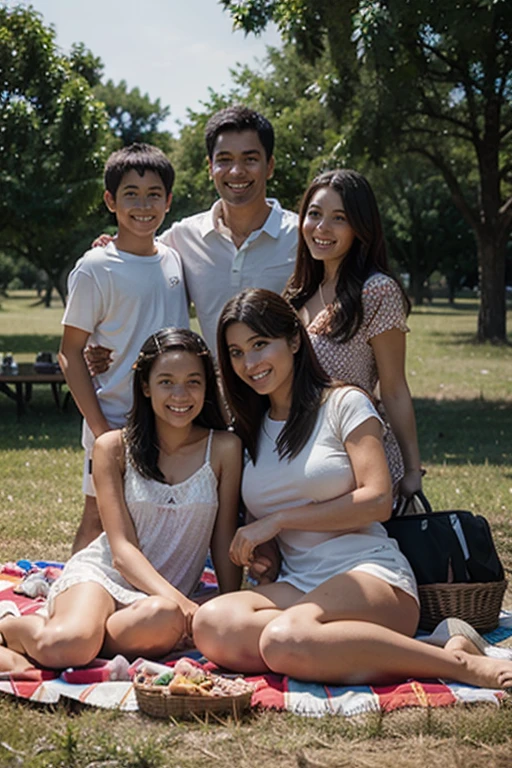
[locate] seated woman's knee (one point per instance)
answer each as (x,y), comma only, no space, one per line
(59,645)
(209,624)
(155,607)
(164,621)
(286,640)
(220,631)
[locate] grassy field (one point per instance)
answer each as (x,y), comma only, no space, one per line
(463,400)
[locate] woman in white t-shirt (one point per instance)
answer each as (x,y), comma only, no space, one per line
(344,607)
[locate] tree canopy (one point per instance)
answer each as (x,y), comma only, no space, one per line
(432,77)
(53,136)
(132,115)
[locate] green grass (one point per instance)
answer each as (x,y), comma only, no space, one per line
(463,401)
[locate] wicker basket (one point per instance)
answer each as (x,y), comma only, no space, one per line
(158,702)
(478,604)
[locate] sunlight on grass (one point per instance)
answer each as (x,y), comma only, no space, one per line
(463,402)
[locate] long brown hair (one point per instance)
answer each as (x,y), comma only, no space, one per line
(367,254)
(269,315)
(140,431)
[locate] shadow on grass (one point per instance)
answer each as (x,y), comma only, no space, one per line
(29,343)
(41,426)
(449,431)
(444,309)
(451,338)
(457,431)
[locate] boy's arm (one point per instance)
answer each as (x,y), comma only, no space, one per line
(74,368)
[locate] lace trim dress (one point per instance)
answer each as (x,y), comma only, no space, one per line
(354,361)
(174,525)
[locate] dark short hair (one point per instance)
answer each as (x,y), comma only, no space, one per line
(140,431)
(236,119)
(140,158)
(269,315)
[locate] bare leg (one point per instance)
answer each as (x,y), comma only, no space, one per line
(235,630)
(353,629)
(149,627)
(73,636)
(227,629)
(13,662)
(90,525)
(317,640)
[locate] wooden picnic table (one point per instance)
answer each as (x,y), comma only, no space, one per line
(17,384)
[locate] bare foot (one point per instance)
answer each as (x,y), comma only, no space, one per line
(13,662)
(460,643)
(482,671)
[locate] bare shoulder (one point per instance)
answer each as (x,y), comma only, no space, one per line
(110,444)
(226,449)
(226,442)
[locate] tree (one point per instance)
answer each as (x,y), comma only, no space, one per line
(422,75)
(424,230)
(7,272)
(132,115)
(53,141)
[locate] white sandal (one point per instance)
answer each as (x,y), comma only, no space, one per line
(451,627)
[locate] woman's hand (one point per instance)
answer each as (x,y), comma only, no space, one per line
(189,611)
(97,358)
(410,482)
(266,562)
(186,640)
(247,538)
(102,241)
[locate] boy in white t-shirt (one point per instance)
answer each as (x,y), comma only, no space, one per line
(118,296)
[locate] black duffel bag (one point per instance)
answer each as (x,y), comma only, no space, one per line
(447,547)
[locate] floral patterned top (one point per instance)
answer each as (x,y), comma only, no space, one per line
(354,361)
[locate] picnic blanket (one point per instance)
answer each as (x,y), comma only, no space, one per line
(107,684)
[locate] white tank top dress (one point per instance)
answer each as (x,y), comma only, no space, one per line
(174,525)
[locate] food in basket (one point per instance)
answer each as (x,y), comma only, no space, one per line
(186,679)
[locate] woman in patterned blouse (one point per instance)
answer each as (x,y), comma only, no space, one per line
(354,308)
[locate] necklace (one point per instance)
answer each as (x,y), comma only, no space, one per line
(324,304)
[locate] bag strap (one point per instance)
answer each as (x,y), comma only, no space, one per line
(417,504)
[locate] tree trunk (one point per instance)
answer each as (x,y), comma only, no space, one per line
(61,292)
(452,289)
(48,295)
(416,287)
(492,317)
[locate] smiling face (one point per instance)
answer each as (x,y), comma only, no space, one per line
(140,205)
(264,363)
(239,168)
(326,230)
(176,386)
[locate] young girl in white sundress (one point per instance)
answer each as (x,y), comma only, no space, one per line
(344,607)
(168,489)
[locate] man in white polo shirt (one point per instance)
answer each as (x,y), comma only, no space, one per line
(244,240)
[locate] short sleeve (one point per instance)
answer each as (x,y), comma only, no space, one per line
(168,237)
(383,306)
(84,306)
(348,409)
